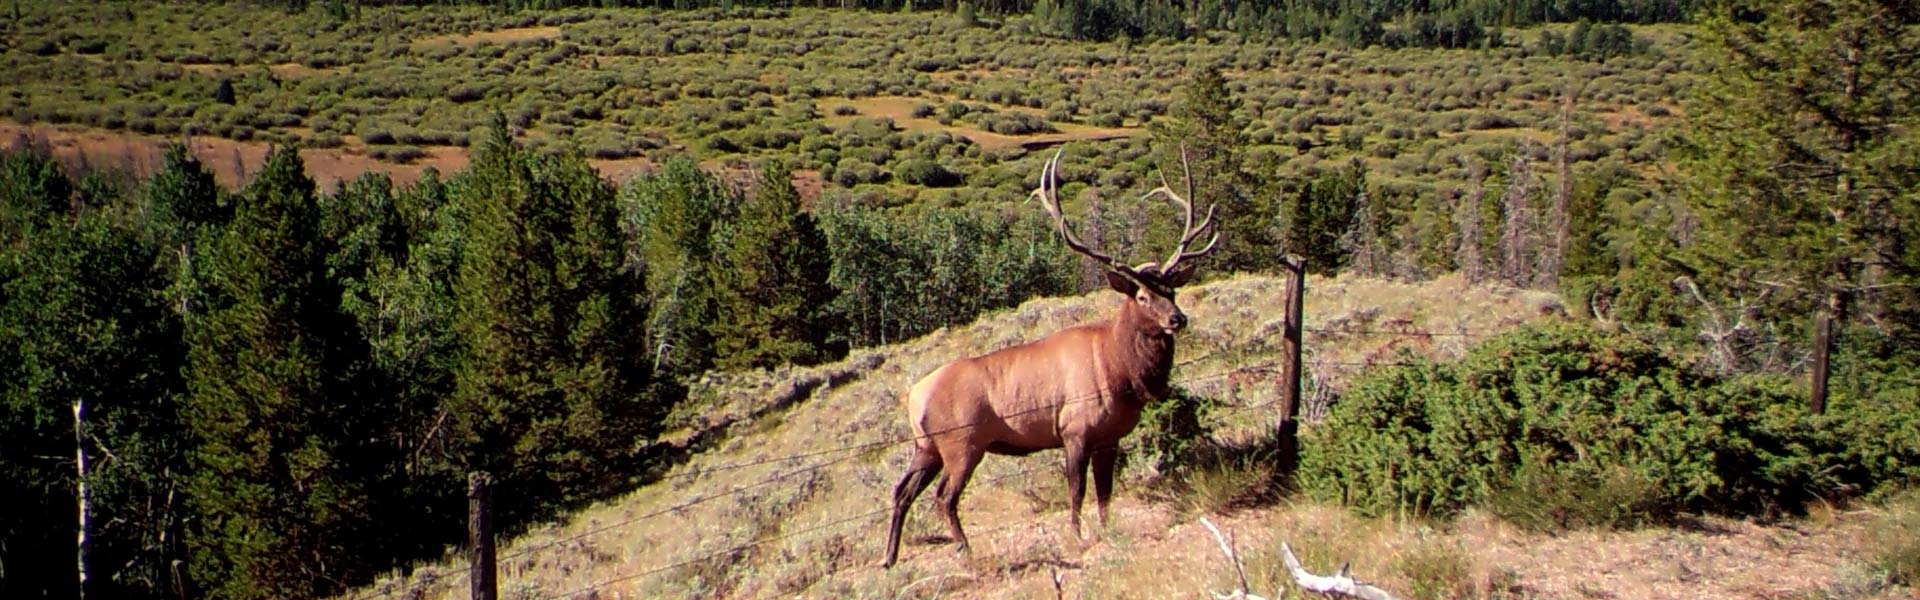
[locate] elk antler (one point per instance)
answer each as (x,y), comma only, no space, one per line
(1188,231)
(1048,193)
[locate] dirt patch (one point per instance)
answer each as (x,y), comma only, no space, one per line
(234,163)
(497,36)
(289,70)
(900,109)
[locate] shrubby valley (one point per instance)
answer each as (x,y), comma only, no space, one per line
(277,276)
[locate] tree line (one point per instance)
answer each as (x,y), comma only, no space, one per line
(1394,23)
(273,377)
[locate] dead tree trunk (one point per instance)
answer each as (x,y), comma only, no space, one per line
(1467,256)
(1517,247)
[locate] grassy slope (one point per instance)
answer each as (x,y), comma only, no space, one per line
(815,515)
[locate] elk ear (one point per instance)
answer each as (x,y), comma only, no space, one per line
(1182,273)
(1122,282)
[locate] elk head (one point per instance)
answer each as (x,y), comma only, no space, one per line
(1149,286)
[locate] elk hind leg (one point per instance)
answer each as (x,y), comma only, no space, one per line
(961,465)
(926,465)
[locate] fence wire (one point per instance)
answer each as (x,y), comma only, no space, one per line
(852,451)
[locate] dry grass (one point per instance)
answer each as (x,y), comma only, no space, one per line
(772,506)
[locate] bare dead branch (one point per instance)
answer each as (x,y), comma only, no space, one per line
(1226,547)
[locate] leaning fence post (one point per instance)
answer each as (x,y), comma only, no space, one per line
(481,571)
(1291,347)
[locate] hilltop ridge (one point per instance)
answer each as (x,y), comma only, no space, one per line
(783,489)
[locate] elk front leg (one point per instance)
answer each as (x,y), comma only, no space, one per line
(1103,463)
(1076,481)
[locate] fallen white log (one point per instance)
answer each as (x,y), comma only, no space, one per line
(1341,583)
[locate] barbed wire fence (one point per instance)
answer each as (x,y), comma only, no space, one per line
(829,457)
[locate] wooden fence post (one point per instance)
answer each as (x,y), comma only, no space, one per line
(1290,350)
(481,571)
(1822,340)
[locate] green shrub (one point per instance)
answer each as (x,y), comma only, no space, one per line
(928,173)
(325,140)
(1171,430)
(1560,413)
(42,47)
(400,155)
(1015,123)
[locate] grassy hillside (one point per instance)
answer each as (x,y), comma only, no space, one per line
(791,469)
(785,493)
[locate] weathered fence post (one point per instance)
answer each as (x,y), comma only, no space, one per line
(1290,350)
(1822,340)
(481,571)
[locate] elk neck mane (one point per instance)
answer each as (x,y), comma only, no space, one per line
(1142,345)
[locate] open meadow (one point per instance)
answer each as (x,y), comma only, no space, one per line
(862,98)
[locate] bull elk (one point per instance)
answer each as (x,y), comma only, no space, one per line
(1082,388)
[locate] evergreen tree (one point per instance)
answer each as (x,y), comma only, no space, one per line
(770,270)
(1206,135)
(553,394)
(1321,216)
(276,408)
(1803,157)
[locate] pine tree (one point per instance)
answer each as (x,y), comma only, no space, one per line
(770,270)
(1803,156)
(1322,215)
(277,414)
(1206,134)
(553,393)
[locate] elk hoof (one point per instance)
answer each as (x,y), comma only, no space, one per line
(962,549)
